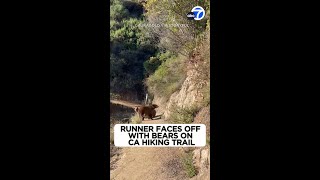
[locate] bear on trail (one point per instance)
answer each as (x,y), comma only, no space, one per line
(148,111)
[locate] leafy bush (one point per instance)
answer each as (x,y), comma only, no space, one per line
(130,47)
(168,78)
(153,63)
(117,10)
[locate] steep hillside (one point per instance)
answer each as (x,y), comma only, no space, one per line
(195,89)
(191,103)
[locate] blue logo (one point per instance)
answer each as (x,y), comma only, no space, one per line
(198,12)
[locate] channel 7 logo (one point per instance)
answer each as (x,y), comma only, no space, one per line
(197,13)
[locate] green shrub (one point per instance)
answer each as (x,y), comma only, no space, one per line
(153,63)
(130,47)
(168,77)
(187,162)
(183,115)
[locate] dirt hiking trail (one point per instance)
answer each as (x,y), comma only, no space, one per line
(144,163)
(124,103)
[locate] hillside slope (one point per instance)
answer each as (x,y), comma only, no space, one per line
(191,103)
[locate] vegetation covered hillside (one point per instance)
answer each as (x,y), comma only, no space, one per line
(130,47)
(151,43)
(155,49)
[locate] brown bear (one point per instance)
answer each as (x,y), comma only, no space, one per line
(148,111)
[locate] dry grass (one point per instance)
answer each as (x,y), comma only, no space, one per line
(187,161)
(136,119)
(183,115)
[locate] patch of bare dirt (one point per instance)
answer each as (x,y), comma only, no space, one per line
(150,163)
(173,168)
